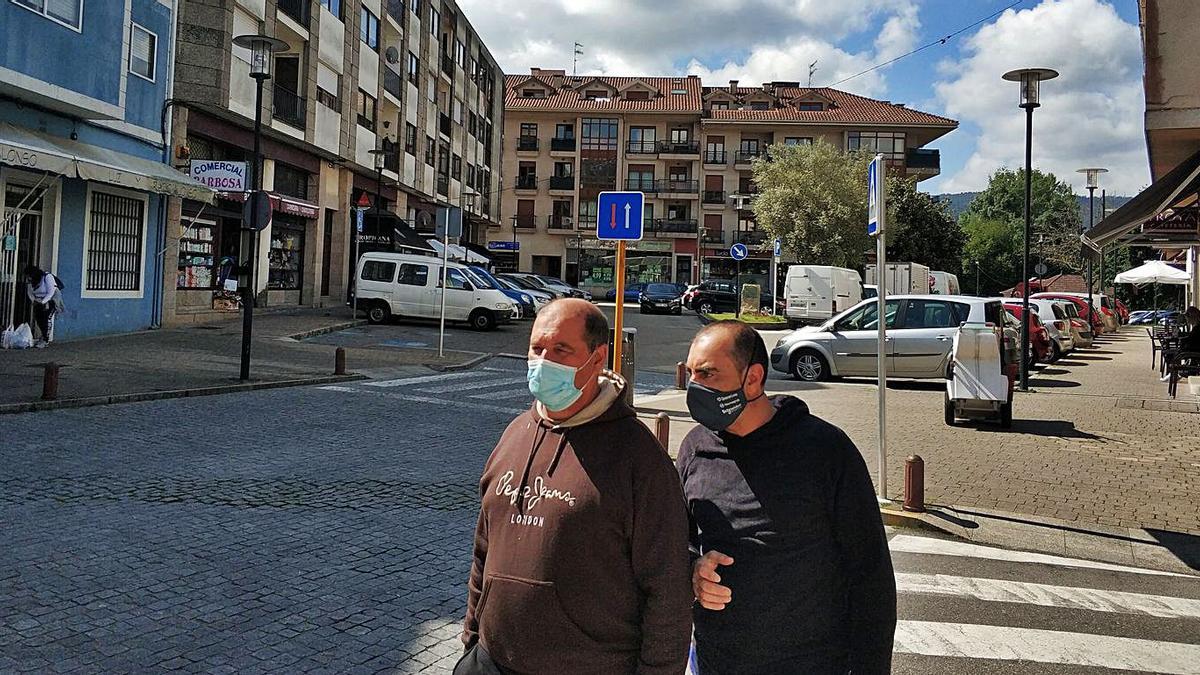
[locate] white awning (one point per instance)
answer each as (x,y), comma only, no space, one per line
(28,149)
(459,253)
(1153,272)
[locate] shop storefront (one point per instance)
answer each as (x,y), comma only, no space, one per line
(505,255)
(645,262)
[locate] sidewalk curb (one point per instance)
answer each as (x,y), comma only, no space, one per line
(782,325)
(37,406)
(894,517)
(462,366)
(327,329)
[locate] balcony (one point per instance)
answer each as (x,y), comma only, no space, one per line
(923,163)
(640,185)
(714,237)
(716,157)
(666,186)
(641,148)
(561,223)
(527,181)
(747,188)
(587,222)
(448,65)
(443,185)
(562,183)
(527,144)
(288,106)
(752,236)
(674,226)
(744,157)
(444,124)
(395,9)
(683,148)
(562,145)
(391,162)
(714,197)
(524,221)
(296,9)
(392,83)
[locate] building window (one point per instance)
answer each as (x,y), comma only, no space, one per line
(564,131)
(115,237)
(596,95)
(416,8)
(456,167)
(410,139)
(67,12)
(533,93)
(460,53)
(430,151)
(564,169)
(798,140)
(599,134)
(414,68)
(472,124)
(329,100)
(366,110)
(334,7)
(720,105)
(810,106)
(368,29)
(891,144)
(679,136)
(528,130)
(285,258)
(291,181)
(760,105)
(470,175)
(637,95)
(143,47)
(435,22)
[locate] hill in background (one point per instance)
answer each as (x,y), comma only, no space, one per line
(959,201)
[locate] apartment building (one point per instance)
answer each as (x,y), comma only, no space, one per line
(408,79)
(688,147)
(83,181)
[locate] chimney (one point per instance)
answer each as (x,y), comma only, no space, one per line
(733,87)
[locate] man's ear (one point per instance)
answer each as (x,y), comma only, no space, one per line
(757,376)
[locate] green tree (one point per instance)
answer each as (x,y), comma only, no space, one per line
(814,198)
(921,228)
(997,217)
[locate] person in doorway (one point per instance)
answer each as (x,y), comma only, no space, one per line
(580,558)
(43,290)
(1191,341)
(791,568)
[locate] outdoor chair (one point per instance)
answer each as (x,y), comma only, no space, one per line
(1181,364)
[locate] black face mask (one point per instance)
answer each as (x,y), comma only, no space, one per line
(716,410)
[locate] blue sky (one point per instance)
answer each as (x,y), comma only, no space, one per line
(1091,115)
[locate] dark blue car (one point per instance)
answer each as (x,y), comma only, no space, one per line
(522,299)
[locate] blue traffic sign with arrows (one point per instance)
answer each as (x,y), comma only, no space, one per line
(619,216)
(739,251)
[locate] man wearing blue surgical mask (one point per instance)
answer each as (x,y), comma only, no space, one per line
(791,569)
(580,558)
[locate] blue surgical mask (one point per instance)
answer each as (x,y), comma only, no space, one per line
(553,384)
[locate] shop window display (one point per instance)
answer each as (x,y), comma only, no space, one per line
(197,257)
(286,257)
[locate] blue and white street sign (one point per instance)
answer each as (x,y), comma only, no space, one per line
(738,251)
(875,174)
(504,246)
(778,247)
(619,216)
(358,219)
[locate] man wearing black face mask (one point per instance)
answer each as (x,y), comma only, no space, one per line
(791,568)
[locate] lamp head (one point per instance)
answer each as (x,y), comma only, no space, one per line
(261,47)
(1093,176)
(1030,79)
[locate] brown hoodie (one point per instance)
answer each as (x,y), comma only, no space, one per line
(581,560)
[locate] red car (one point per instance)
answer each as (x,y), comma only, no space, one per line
(1085,311)
(1122,310)
(1039,337)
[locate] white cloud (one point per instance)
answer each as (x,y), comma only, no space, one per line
(1091,115)
(790,62)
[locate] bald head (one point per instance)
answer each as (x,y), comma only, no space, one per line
(743,344)
(576,319)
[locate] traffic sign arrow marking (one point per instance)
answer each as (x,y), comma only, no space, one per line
(627,207)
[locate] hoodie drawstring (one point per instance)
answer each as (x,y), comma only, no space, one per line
(558,452)
(538,436)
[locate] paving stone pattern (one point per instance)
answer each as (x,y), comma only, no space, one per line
(280,531)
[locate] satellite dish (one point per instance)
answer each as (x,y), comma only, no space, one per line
(392,55)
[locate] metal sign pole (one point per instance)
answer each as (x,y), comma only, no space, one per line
(445,263)
(619,314)
(878,197)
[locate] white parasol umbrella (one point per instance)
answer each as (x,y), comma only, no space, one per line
(1153,272)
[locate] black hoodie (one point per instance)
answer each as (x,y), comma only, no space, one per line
(581,553)
(812,582)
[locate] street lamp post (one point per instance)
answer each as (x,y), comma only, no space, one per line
(378,156)
(1093,182)
(976,278)
(1030,79)
(261,47)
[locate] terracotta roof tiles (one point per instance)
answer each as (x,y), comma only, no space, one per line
(564,96)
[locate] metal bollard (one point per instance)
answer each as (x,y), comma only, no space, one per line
(50,382)
(681,376)
(914,484)
(339,361)
(662,428)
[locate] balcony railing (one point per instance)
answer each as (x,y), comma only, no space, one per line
(715,157)
(641,148)
(747,156)
(562,144)
(444,124)
(525,221)
(679,147)
(751,236)
(288,107)
(675,225)
(297,9)
(561,223)
(587,222)
(714,196)
(713,237)
(747,188)
(395,9)
(668,185)
(527,182)
(640,185)
(527,143)
(392,82)
(562,182)
(924,160)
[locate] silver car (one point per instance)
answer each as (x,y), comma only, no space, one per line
(921,332)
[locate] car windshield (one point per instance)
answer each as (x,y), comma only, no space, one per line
(522,282)
(662,289)
(480,278)
(505,283)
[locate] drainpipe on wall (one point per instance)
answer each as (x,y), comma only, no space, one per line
(156,310)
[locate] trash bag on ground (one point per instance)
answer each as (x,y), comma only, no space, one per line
(21,338)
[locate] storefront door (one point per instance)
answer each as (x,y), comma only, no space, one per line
(548,265)
(683,269)
(20,245)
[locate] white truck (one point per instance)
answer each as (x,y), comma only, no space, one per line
(901,278)
(943,283)
(816,293)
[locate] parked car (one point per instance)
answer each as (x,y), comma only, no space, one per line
(540,298)
(562,286)
(1081,306)
(1039,338)
(526,283)
(402,284)
(660,298)
(688,295)
(523,300)
(1081,331)
(1161,317)
(721,295)
(870,291)
(1058,327)
(632,293)
(922,329)
(1122,309)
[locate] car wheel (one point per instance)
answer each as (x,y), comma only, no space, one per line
(481,319)
(809,366)
(705,307)
(948,411)
(378,313)
(1055,352)
(642,310)
(678,311)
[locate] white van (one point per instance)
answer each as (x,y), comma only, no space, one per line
(943,283)
(902,278)
(817,292)
(403,284)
